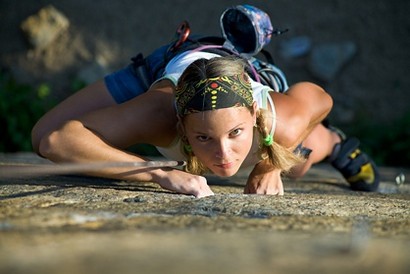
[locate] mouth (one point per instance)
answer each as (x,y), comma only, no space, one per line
(227,165)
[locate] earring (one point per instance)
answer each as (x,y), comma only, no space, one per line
(188,148)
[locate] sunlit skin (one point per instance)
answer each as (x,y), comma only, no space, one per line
(222,138)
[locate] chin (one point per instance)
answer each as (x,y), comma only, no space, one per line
(225,172)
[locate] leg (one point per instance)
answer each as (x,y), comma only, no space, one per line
(342,153)
(321,141)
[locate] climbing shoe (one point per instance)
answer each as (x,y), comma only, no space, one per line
(355,166)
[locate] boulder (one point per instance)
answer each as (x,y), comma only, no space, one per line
(44,27)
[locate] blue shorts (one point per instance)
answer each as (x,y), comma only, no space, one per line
(125,84)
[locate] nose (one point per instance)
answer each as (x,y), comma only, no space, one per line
(223,149)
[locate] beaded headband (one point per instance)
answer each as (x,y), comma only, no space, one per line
(214,93)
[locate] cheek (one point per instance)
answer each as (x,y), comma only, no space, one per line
(198,148)
(202,151)
(243,148)
(244,142)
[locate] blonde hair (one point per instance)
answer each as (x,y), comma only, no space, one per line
(280,157)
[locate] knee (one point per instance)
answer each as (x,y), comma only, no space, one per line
(299,170)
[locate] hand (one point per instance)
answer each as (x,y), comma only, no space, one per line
(185,183)
(264,181)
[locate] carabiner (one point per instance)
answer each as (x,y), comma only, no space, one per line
(181,35)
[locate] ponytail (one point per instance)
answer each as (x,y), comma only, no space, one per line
(279,157)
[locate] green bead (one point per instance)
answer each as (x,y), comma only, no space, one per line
(268,140)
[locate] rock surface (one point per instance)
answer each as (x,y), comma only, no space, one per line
(327,60)
(43,28)
(76,224)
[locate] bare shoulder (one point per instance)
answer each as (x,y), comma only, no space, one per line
(296,109)
(298,97)
(164,84)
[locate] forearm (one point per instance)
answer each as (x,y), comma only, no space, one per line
(76,144)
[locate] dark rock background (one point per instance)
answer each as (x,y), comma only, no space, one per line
(373,85)
(69,224)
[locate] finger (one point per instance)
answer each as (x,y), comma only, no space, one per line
(248,189)
(245,190)
(204,194)
(204,191)
(274,191)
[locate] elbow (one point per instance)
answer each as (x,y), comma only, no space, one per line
(40,137)
(37,134)
(55,145)
(48,145)
(328,103)
(321,104)
(318,94)
(35,141)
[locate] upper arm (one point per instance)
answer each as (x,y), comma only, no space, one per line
(147,118)
(90,98)
(302,107)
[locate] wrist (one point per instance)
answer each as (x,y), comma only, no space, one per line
(159,175)
(264,166)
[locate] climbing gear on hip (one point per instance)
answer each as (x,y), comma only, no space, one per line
(246,30)
(181,35)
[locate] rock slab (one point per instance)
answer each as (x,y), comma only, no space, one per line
(76,224)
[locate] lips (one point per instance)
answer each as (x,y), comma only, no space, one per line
(225,165)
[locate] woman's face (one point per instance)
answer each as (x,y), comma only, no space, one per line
(222,138)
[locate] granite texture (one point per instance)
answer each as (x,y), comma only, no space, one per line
(76,224)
